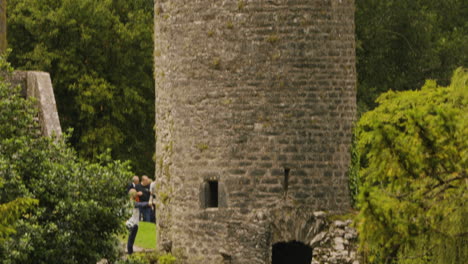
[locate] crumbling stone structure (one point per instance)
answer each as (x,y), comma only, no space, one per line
(255,102)
(39,86)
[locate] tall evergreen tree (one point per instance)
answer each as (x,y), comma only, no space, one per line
(401,43)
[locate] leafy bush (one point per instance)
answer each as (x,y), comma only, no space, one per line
(149,258)
(167,259)
(134,259)
(12,210)
(414,169)
(353,173)
(79,210)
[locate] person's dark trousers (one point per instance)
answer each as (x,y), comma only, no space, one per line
(153,216)
(141,206)
(146,211)
(131,239)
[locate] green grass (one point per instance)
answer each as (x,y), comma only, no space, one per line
(146,236)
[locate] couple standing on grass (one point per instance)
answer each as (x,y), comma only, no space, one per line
(142,205)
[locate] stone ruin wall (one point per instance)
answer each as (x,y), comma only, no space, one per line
(245,91)
(39,86)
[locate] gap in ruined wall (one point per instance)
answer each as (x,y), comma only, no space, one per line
(211,194)
(292,252)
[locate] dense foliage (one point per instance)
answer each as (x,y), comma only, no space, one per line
(99,55)
(151,258)
(414,174)
(78,204)
(10,211)
(401,43)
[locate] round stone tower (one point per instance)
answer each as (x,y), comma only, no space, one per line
(255,102)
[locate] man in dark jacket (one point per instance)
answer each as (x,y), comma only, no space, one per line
(133,184)
(144,193)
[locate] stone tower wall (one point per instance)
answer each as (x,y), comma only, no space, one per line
(3,26)
(246,90)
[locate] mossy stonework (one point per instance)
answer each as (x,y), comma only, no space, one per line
(255,102)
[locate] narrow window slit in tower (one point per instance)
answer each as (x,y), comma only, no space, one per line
(286,180)
(212,197)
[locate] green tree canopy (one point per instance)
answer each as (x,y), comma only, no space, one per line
(401,43)
(78,205)
(414,173)
(99,55)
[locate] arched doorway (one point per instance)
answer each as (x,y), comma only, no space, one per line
(292,252)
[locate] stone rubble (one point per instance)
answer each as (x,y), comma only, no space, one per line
(336,245)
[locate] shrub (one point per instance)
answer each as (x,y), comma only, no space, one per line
(79,209)
(414,169)
(10,210)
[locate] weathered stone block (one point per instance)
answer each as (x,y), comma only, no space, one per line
(39,86)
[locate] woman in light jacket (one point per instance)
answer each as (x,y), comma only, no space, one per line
(132,222)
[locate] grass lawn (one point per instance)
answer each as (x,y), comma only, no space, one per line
(146,236)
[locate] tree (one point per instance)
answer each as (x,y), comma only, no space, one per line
(78,204)
(401,43)
(99,55)
(414,173)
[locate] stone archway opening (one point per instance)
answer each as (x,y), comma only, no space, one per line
(292,252)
